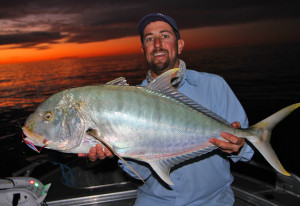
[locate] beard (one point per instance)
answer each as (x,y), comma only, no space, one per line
(160,67)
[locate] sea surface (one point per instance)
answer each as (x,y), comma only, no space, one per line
(264,78)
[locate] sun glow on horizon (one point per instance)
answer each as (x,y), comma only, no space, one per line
(268,32)
(126,45)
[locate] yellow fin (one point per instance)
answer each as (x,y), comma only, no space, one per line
(162,81)
(262,142)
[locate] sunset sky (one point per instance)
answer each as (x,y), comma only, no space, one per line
(35,30)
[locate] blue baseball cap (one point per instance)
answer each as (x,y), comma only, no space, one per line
(156,17)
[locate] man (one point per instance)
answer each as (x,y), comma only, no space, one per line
(204,181)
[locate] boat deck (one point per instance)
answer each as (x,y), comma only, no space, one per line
(110,186)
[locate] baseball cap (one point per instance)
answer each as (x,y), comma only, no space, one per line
(156,17)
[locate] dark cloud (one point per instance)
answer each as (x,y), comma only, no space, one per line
(29,39)
(203,13)
(13,9)
(99,20)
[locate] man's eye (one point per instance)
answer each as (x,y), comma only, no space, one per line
(165,36)
(148,39)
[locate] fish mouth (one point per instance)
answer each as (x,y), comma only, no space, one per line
(34,138)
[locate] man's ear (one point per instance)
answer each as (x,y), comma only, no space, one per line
(142,48)
(180,45)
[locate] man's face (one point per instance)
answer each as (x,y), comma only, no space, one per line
(161,47)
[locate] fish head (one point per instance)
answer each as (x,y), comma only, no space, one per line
(56,124)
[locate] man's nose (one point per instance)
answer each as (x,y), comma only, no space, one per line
(157,42)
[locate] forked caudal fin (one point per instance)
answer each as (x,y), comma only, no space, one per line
(263,130)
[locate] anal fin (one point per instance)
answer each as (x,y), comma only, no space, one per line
(162,167)
(162,170)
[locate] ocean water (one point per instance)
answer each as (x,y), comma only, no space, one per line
(264,78)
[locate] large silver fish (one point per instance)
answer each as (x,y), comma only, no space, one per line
(154,124)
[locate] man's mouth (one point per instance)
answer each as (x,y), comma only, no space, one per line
(158,54)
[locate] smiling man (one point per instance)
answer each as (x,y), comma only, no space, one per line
(160,47)
(200,181)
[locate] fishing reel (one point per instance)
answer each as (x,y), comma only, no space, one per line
(22,191)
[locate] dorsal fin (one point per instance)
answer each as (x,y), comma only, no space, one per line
(162,81)
(94,134)
(162,84)
(119,81)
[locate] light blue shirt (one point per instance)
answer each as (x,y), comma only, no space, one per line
(205,180)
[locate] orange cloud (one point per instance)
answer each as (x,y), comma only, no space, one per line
(126,45)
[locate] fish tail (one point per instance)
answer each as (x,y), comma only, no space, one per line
(263,130)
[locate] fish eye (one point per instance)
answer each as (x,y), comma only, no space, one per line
(48,116)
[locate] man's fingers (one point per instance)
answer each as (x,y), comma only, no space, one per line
(92,154)
(234,143)
(103,153)
(108,152)
(225,146)
(97,152)
(82,155)
(100,152)
(236,125)
(231,138)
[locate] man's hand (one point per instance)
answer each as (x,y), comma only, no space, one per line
(234,144)
(97,152)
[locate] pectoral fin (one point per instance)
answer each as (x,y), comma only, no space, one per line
(93,133)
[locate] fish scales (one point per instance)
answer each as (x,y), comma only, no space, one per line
(134,116)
